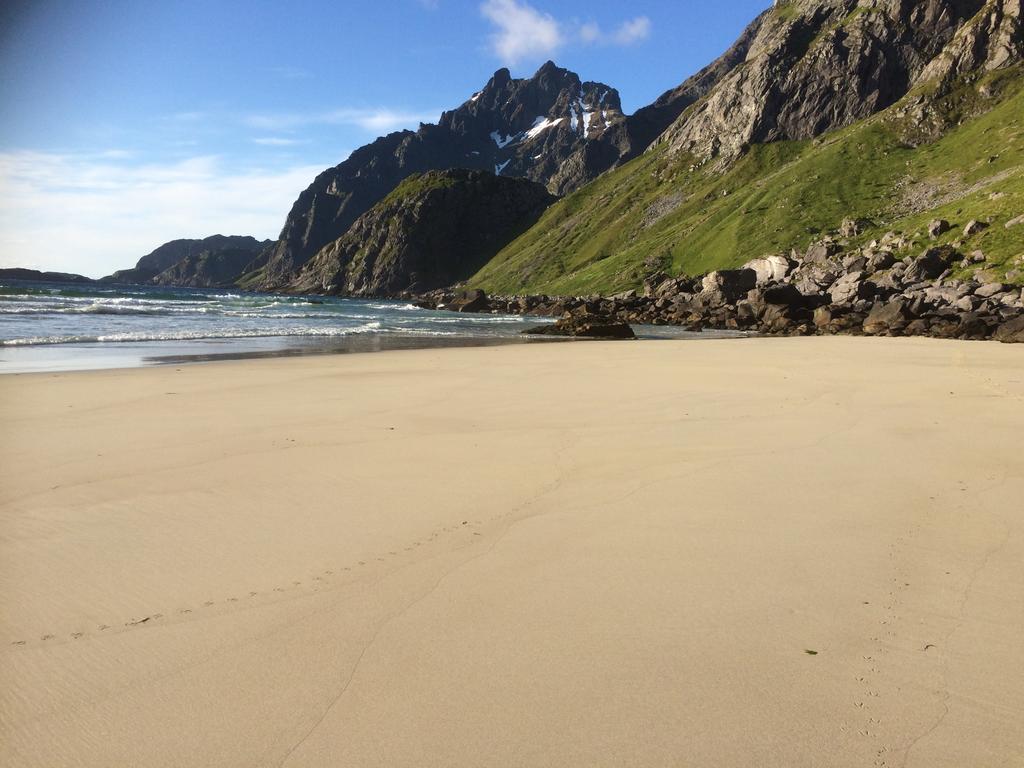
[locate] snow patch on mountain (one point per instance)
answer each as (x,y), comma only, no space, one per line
(540,125)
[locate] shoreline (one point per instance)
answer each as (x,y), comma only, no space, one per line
(445,559)
(18,360)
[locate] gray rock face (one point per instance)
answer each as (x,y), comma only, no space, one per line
(815,65)
(432,231)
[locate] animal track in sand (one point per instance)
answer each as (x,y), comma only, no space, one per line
(316,585)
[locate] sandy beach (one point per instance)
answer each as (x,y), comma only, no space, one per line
(769,552)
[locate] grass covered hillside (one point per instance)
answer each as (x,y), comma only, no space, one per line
(893,171)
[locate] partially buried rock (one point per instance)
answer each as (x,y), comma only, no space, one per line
(586,325)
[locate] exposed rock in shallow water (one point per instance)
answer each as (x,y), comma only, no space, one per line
(587,325)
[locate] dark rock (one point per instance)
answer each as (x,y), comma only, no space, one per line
(727,286)
(937,227)
(888,318)
(1011,331)
(974,326)
(929,265)
(784,295)
(473,300)
(586,324)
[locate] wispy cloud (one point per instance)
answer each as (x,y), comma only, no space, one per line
(277,141)
(632,31)
(382,119)
(291,73)
(90,214)
(522,32)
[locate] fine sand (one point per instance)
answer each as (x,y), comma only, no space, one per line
(779,552)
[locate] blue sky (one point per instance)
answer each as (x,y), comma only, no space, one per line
(124,124)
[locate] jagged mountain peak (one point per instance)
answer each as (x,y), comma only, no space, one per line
(515,110)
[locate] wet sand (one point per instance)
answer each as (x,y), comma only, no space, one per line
(772,552)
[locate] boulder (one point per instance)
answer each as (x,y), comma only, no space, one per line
(880,260)
(937,227)
(727,286)
(974,326)
(819,252)
(1011,331)
(586,325)
(973,227)
(771,269)
(473,300)
(989,290)
(846,288)
(888,318)
(1014,222)
(783,296)
(929,265)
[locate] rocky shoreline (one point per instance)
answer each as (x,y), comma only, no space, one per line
(824,290)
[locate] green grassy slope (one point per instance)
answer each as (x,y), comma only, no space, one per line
(664,212)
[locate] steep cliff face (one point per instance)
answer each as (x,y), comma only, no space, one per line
(812,66)
(169,254)
(433,230)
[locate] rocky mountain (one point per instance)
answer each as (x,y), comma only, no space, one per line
(169,254)
(213,268)
(888,114)
(816,65)
(552,128)
(433,230)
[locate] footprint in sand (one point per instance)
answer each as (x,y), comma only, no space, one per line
(18,642)
(46,637)
(76,635)
(253,594)
(208,603)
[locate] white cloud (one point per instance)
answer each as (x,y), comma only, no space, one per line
(522,32)
(93,214)
(632,31)
(379,120)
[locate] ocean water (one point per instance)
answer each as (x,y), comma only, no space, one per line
(66,326)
